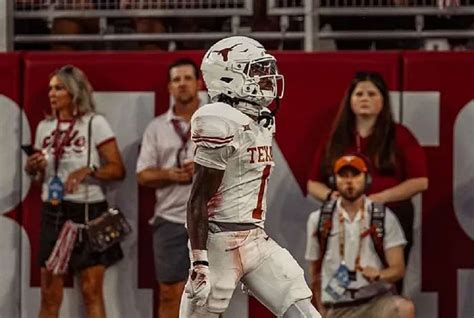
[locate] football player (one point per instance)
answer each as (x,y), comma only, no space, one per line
(227,206)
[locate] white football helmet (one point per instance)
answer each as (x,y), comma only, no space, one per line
(240,68)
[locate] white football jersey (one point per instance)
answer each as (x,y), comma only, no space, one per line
(229,140)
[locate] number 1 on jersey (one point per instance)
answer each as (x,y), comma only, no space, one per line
(257,212)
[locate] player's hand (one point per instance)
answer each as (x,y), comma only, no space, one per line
(198,285)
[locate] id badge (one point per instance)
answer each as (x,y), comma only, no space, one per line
(55,191)
(338,283)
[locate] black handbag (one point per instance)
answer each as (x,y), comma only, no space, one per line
(106,230)
(111,227)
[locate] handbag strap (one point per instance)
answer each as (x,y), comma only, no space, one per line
(89,133)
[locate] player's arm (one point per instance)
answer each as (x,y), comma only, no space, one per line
(207,181)
(212,137)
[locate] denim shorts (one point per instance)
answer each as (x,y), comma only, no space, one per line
(170,251)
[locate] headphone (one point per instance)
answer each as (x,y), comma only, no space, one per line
(368,176)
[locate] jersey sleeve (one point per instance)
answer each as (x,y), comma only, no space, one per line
(101,131)
(312,243)
(213,136)
(211,131)
(215,158)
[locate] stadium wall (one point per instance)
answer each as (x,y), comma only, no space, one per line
(432,94)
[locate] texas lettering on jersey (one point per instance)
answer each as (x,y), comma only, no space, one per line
(260,154)
(229,140)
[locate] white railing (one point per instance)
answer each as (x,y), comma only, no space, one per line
(312,11)
(131,8)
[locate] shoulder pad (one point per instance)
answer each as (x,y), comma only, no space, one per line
(214,125)
(225,111)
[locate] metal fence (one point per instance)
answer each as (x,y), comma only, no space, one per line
(130,8)
(308,14)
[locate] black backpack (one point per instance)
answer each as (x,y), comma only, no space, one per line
(376,230)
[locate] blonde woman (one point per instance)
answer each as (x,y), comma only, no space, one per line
(60,164)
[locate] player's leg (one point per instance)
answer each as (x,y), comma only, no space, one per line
(277,281)
(189,310)
(302,309)
(224,272)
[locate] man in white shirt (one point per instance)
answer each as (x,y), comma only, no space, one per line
(165,163)
(354,260)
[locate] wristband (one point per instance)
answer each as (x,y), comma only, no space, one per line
(199,255)
(205,263)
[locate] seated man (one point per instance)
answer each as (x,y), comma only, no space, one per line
(356,250)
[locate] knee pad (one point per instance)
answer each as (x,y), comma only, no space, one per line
(301,309)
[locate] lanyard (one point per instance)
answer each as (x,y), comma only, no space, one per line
(59,145)
(342,238)
(184,136)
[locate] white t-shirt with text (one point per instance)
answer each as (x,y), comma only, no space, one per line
(75,152)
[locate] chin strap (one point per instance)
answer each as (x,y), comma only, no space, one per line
(266,118)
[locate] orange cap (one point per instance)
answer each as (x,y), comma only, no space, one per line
(350,161)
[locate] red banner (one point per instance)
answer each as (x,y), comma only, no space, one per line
(315,84)
(445,244)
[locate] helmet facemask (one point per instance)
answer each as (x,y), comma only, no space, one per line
(261,81)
